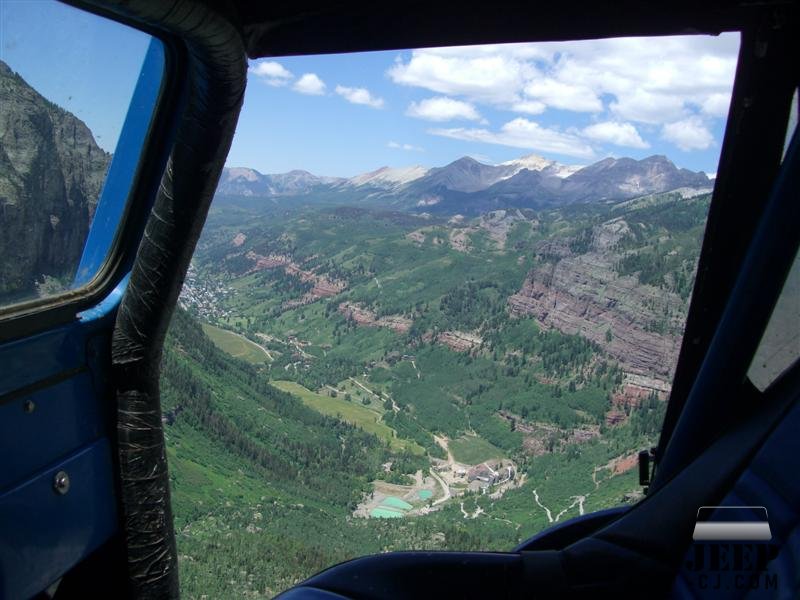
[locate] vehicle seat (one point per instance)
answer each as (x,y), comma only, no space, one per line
(772,480)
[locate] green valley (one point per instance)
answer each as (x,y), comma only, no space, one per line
(480,378)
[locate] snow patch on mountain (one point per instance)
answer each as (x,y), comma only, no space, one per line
(241,173)
(534,162)
(389,176)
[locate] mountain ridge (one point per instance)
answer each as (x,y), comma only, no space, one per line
(467,185)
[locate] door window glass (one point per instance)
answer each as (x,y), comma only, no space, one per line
(70,138)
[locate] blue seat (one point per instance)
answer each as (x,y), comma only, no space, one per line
(772,480)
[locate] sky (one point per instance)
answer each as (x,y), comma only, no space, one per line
(574,102)
(83,63)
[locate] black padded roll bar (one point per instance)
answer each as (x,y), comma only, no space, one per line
(214,66)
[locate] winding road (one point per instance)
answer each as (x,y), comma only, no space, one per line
(442,441)
(445,488)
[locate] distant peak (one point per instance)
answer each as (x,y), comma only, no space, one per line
(243,173)
(538,164)
(657,158)
(532,158)
(466,160)
(532,162)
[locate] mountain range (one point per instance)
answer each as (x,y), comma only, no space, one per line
(469,186)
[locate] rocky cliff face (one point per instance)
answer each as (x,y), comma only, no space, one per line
(51,175)
(582,293)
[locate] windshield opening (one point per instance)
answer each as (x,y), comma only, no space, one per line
(438,300)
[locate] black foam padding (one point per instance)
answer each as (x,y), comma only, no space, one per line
(213,67)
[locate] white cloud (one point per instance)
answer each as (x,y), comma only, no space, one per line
(614,132)
(397,146)
(645,80)
(566,96)
(493,77)
(272,73)
(522,133)
(529,107)
(647,107)
(441,108)
(688,134)
(359,96)
(310,84)
(716,105)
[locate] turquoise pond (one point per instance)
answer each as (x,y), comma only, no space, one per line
(424,494)
(396,503)
(385,513)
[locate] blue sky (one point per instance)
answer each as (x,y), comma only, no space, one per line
(84,63)
(346,114)
(572,102)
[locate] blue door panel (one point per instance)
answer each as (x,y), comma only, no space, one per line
(64,372)
(44,533)
(32,360)
(59,353)
(41,427)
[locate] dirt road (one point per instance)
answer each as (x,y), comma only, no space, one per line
(445,488)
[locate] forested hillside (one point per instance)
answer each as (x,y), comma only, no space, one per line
(569,316)
(263,487)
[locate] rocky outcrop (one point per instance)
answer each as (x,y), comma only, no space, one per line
(583,294)
(418,236)
(459,239)
(460,341)
(322,286)
(270,261)
(325,288)
(496,224)
(634,390)
(51,175)
(367,318)
(499,223)
(543,438)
